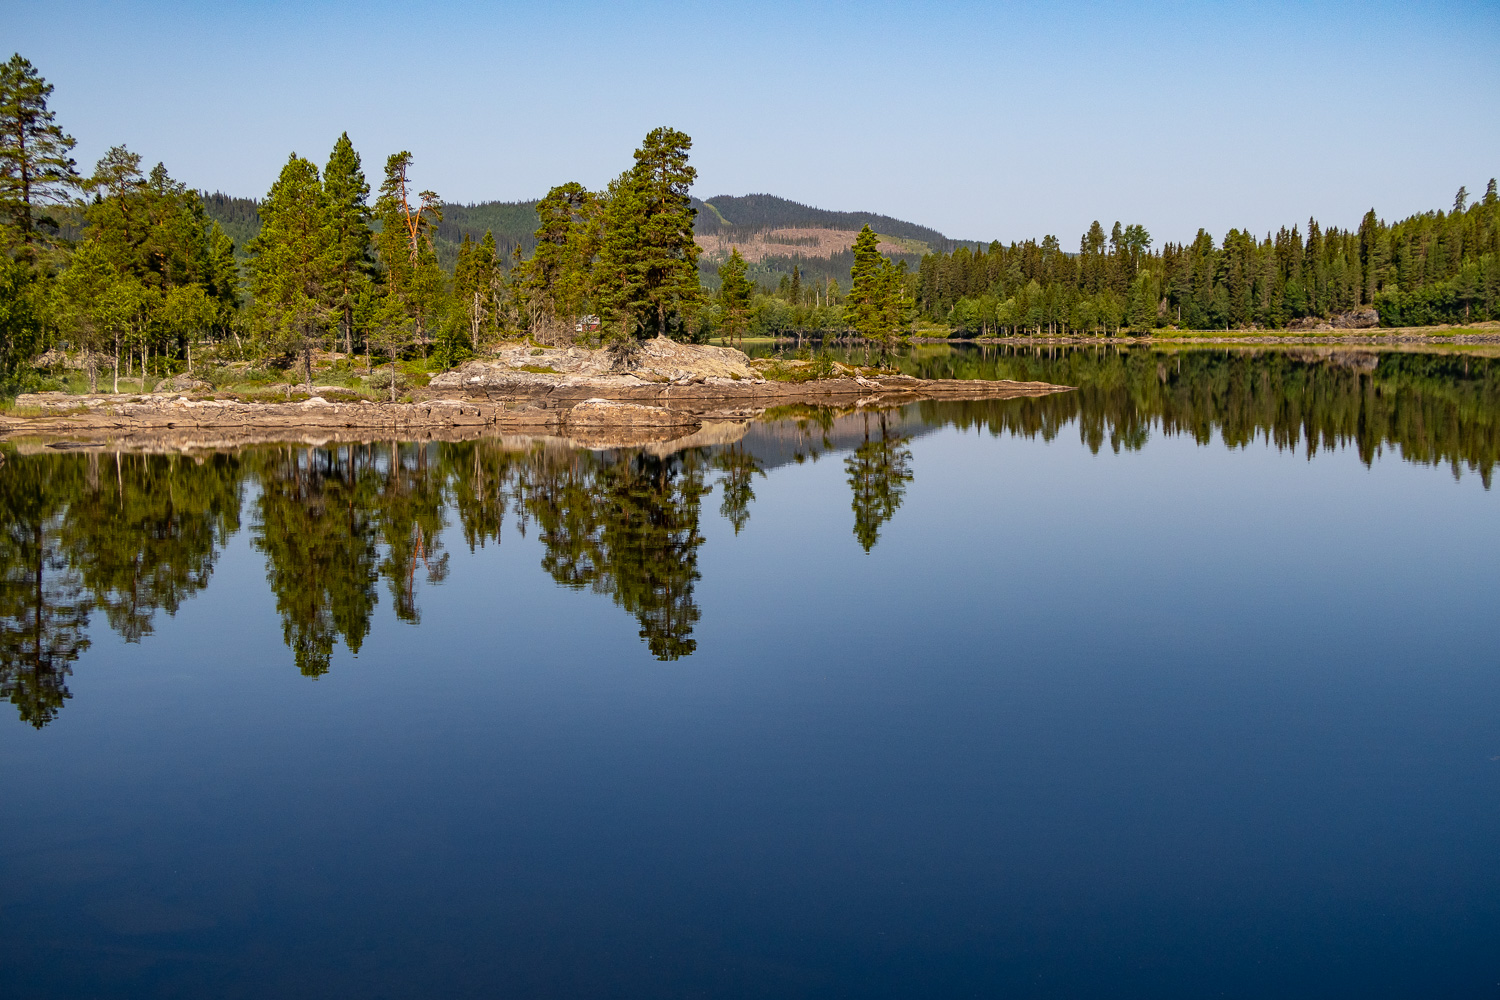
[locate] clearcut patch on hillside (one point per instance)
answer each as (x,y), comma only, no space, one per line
(796,242)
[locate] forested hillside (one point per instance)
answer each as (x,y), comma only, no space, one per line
(1436,267)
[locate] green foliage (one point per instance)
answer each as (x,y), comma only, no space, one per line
(295,262)
(478,290)
(735,292)
(345,191)
(22,325)
(647,275)
(35,168)
(1426,269)
(557,283)
(876,307)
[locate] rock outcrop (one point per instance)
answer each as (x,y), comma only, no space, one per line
(659,390)
(1363,318)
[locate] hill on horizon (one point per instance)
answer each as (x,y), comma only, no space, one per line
(775,234)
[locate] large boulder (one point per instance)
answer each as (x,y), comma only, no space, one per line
(1357,319)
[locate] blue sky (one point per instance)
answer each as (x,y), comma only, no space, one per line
(984,120)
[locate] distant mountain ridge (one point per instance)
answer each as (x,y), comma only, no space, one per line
(767,211)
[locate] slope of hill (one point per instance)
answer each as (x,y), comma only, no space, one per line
(764,212)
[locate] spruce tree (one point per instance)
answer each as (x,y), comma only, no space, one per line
(293,263)
(735,291)
(648,262)
(346,191)
(35,168)
(863,307)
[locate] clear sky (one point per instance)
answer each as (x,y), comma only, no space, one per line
(984,120)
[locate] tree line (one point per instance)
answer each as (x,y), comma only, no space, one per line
(126,269)
(1435,267)
(126,266)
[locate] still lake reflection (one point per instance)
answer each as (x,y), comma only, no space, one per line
(1184,683)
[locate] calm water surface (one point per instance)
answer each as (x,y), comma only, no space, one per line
(1182,685)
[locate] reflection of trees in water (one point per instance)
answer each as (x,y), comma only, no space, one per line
(129,536)
(627,527)
(1434,408)
(43,608)
(322,518)
(737,483)
(410,503)
(144,532)
(878,470)
(314,523)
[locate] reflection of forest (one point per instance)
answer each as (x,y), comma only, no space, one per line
(123,534)
(86,534)
(129,535)
(1433,408)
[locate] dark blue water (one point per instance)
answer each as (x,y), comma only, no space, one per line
(1166,719)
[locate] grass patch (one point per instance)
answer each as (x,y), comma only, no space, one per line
(538,369)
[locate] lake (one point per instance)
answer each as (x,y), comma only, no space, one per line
(1184,684)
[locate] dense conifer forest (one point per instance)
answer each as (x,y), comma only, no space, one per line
(1437,267)
(131,271)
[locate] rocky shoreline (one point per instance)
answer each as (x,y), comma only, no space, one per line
(659,391)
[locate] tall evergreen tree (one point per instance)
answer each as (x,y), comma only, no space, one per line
(35,168)
(864,306)
(293,263)
(414,282)
(346,191)
(735,292)
(648,261)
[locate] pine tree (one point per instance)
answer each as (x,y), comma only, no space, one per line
(293,262)
(346,190)
(35,168)
(413,279)
(557,280)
